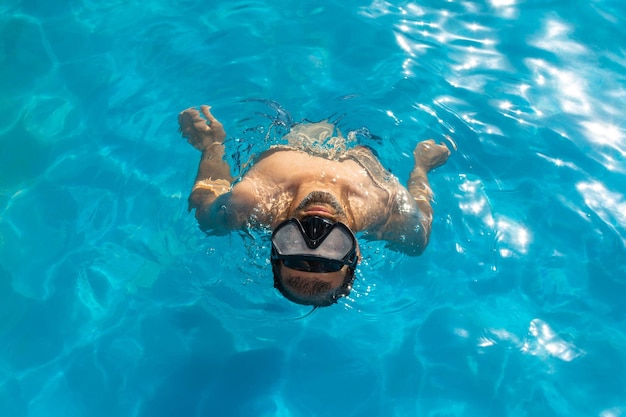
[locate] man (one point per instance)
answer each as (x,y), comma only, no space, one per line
(314,199)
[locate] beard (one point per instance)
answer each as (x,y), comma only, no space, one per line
(324,198)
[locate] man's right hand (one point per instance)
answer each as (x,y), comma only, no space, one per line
(201,132)
(430,155)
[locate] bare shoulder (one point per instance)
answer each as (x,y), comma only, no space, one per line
(401,209)
(404,227)
(244,193)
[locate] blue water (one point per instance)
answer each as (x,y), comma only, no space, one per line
(113,303)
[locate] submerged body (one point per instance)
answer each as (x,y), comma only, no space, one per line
(304,181)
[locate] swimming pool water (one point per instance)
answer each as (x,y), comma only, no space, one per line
(113,303)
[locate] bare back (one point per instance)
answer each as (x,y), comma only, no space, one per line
(315,160)
(274,182)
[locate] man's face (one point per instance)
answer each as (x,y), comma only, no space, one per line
(314,256)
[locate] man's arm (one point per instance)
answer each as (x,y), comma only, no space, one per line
(210,195)
(409,228)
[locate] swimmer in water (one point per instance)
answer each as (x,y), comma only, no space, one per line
(314,202)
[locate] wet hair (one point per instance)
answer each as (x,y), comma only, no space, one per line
(311,291)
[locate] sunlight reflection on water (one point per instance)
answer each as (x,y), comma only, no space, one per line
(565,80)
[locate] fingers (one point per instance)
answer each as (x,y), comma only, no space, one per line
(200,121)
(189,118)
(444,147)
(214,124)
(183,117)
(429,154)
(200,124)
(423,146)
(206,111)
(428,144)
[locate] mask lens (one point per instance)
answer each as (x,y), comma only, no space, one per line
(288,239)
(327,253)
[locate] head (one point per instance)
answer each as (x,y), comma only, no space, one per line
(313,260)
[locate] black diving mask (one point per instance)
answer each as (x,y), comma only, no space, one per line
(314,244)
